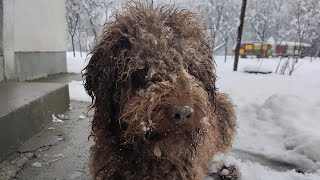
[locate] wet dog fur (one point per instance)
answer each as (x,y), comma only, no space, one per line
(146,61)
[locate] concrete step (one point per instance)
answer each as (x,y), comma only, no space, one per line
(61,78)
(26,107)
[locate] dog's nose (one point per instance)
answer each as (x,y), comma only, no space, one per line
(180,114)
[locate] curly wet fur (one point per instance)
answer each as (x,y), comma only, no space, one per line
(146,60)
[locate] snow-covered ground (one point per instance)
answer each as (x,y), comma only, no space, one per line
(278,115)
(76,65)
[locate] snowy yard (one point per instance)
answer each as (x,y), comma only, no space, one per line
(278,115)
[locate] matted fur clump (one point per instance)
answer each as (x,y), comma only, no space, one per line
(157,112)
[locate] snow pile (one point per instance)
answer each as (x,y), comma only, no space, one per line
(278,117)
(77,92)
(284,127)
(77,63)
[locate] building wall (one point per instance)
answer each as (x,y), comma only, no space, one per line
(40,26)
(2,76)
(40,38)
(7,39)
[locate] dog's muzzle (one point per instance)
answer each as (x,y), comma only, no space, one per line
(180,114)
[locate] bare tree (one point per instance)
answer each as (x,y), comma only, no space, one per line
(259,16)
(227,28)
(91,9)
(79,36)
(303,23)
(280,23)
(106,6)
(72,17)
(212,11)
(240,29)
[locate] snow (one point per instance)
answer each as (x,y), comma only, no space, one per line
(293,43)
(278,116)
(37,164)
(254,171)
(77,63)
(55,119)
(77,92)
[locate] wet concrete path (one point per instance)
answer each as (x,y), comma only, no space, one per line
(59,151)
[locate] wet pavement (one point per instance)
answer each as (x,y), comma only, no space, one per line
(59,152)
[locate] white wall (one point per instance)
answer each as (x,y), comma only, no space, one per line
(8,36)
(40,26)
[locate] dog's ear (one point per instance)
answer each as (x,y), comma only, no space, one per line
(92,73)
(101,74)
(225,111)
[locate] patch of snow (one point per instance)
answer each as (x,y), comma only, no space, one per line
(77,63)
(254,171)
(205,121)
(37,165)
(60,155)
(77,92)
(144,127)
(289,43)
(277,116)
(55,119)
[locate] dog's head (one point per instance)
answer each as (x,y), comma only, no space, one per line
(151,76)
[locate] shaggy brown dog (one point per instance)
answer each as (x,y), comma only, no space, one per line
(157,112)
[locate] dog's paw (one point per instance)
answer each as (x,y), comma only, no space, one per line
(225,168)
(226,173)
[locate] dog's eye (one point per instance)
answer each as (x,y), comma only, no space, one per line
(156,79)
(138,79)
(192,71)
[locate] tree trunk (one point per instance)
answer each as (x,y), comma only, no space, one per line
(278,64)
(80,49)
(317,53)
(225,52)
(295,59)
(261,54)
(93,29)
(72,41)
(240,29)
